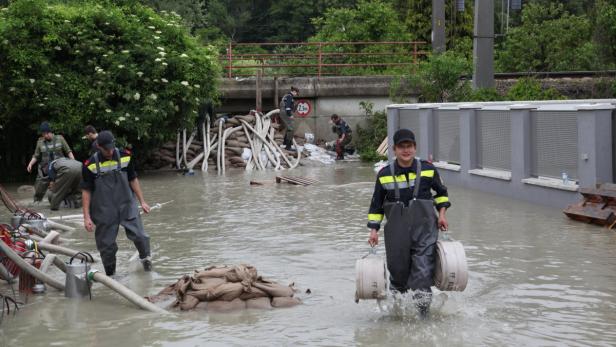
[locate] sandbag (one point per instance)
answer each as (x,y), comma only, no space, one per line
(253,293)
(235,143)
(248,118)
(239,164)
(188,303)
(280,302)
(259,303)
(236,160)
(207,283)
(213,271)
(225,306)
(228,291)
(275,289)
(236,150)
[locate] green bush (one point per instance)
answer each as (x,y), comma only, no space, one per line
(531,89)
(115,64)
(370,137)
(438,78)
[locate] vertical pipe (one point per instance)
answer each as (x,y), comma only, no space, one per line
(438,26)
(259,101)
(483,45)
(275,92)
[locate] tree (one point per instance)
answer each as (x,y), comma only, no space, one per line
(438,78)
(119,67)
(605,32)
(549,39)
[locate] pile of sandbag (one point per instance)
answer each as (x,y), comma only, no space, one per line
(228,288)
(251,141)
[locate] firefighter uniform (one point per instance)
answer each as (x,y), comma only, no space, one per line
(404,196)
(287,107)
(45,153)
(113,204)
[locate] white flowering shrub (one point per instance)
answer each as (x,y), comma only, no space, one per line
(115,64)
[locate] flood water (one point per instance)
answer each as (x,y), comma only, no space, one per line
(536,278)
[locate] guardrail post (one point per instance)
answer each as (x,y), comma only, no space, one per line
(230,56)
(320,59)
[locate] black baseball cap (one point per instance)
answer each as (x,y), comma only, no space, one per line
(45,128)
(403,135)
(106,140)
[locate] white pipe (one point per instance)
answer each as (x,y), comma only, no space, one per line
(59,249)
(223,141)
(269,155)
(177,152)
(49,259)
(70,216)
(206,142)
(220,123)
(184,146)
(52,238)
(5,274)
(53,225)
(25,266)
(256,163)
(125,292)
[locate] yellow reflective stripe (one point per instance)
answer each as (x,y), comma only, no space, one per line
(110,164)
(427,173)
(375,217)
(441,199)
(390,179)
(412,176)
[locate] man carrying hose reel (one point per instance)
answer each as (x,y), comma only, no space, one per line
(403,193)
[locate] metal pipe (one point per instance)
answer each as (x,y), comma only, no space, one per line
(125,292)
(25,266)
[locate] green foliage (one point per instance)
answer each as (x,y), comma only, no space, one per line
(605,32)
(438,78)
(485,94)
(531,89)
(370,137)
(119,67)
(548,39)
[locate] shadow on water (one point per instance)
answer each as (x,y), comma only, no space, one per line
(536,278)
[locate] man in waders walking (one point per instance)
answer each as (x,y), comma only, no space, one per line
(49,147)
(403,193)
(287,107)
(343,130)
(109,188)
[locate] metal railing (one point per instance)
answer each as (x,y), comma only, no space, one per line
(320,58)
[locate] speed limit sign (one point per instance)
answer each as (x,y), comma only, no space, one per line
(303,108)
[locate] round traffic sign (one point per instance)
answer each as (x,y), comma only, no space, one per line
(303,108)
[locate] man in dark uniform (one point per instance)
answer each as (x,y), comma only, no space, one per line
(109,188)
(343,130)
(287,107)
(91,134)
(403,193)
(49,147)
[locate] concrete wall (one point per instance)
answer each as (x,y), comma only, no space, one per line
(594,144)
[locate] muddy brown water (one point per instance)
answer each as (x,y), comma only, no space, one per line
(536,278)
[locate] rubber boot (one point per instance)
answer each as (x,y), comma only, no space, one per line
(110,269)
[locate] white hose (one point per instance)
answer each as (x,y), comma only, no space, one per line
(177,152)
(49,259)
(70,216)
(266,148)
(255,162)
(59,249)
(25,266)
(206,142)
(223,141)
(53,225)
(52,238)
(184,146)
(125,292)
(5,274)
(220,123)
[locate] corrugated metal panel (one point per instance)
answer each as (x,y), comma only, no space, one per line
(447,142)
(554,137)
(516,4)
(409,119)
(614,145)
(460,5)
(494,140)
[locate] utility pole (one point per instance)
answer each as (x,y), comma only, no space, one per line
(438,26)
(483,45)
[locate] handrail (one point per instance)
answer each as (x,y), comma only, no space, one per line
(319,59)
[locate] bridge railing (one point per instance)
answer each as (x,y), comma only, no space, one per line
(321,58)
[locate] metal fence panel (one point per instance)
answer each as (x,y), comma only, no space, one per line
(409,119)
(554,137)
(447,142)
(494,140)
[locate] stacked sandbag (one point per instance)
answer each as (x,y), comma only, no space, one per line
(228,288)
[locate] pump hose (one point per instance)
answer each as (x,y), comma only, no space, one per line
(54,225)
(5,274)
(125,292)
(25,266)
(59,249)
